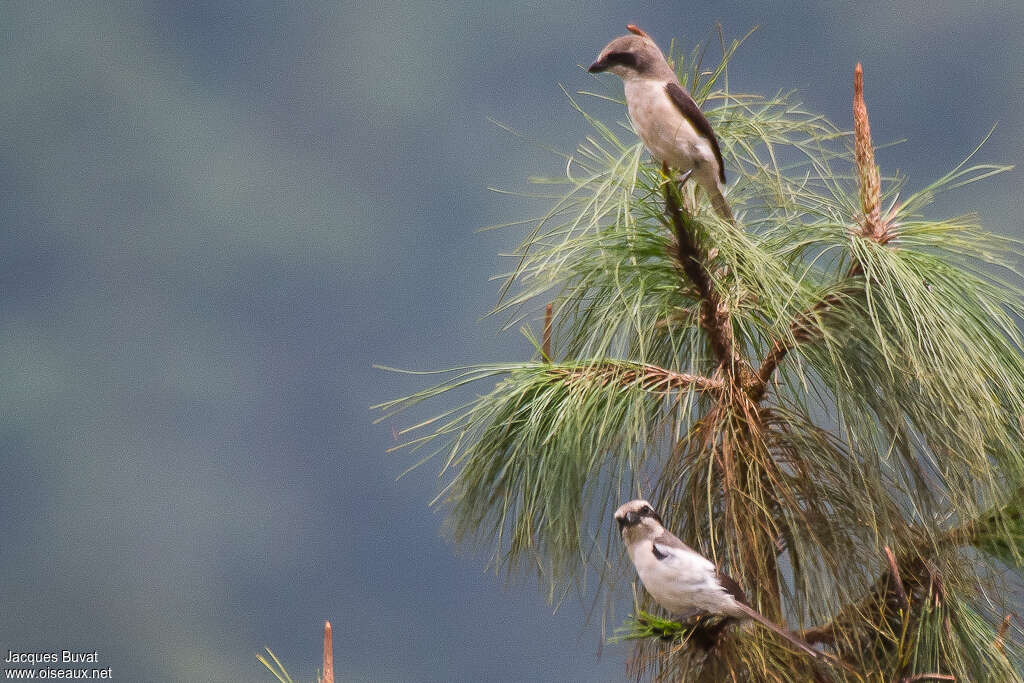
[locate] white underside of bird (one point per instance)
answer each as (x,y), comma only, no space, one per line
(682,581)
(671,138)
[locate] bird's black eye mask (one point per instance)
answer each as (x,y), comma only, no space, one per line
(614,59)
(648,511)
(623,58)
(632,518)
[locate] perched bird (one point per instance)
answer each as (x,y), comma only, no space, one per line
(666,118)
(682,580)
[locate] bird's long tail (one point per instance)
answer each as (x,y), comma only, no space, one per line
(801,645)
(711,185)
(720,205)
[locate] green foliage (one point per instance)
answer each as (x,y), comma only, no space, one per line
(643,625)
(952,636)
(1000,532)
(893,419)
(543,448)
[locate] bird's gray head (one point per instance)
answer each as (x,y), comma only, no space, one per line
(637,519)
(633,56)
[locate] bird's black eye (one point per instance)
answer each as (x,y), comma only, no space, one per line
(648,511)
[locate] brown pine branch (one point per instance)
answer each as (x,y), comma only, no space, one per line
(894,574)
(714,313)
(888,592)
(893,589)
(801,330)
(649,377)
(758,562)
(780,348)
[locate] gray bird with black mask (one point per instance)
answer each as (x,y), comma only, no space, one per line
(682,580)
(666,118)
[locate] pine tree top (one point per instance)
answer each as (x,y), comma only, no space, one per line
(824,397)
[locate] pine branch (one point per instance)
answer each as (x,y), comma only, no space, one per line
(801,330)
(911,569)
(889,592)
(716,321)
(649,377)
(714,314)
(894,574)
(546,346)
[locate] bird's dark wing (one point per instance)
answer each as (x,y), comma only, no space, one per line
(666,538)
(695,116)
(730,586)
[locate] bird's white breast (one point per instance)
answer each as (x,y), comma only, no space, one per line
(681,583)
(665,131)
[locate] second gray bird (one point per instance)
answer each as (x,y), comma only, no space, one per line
(682,580)
(666,118)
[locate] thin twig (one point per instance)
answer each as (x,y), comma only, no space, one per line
(546,346)
(633,28)
(927,677)
(894,574)
(328,666)
(1001,634)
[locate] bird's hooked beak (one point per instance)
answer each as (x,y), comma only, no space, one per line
(598,66)
(629,519)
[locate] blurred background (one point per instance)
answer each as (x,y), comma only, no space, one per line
(216,218)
